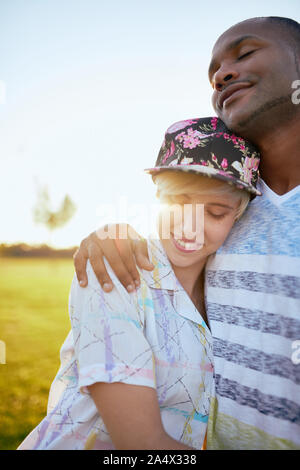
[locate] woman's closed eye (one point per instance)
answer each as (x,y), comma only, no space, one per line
(217,215)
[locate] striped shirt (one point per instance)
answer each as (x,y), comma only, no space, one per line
(253,307)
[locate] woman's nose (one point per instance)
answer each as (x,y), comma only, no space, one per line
(193,223)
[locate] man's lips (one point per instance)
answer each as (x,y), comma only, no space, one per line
(231,90)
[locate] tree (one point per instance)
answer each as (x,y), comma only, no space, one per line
(43,214)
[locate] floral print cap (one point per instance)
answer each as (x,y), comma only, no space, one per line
(206,146)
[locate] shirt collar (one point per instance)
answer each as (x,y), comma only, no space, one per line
(163,276)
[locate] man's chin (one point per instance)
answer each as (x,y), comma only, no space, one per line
(249,120)
(233,121)
(238,122)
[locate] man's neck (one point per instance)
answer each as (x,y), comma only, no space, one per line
(280,158)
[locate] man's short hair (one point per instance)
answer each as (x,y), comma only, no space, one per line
(289,26)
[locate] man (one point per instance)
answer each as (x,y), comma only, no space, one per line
(253,282)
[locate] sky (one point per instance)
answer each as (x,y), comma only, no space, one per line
(87,90)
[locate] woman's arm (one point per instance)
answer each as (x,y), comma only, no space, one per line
(132,416)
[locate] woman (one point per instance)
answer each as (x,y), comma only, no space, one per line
(137,369)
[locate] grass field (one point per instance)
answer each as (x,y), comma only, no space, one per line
(34,322)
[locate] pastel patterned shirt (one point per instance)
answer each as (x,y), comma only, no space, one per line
(155,337)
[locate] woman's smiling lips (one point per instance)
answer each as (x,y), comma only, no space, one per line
(231,92)
(186,246)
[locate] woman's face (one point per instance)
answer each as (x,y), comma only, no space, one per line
(194,226)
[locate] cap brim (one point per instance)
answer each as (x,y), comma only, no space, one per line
(207,171)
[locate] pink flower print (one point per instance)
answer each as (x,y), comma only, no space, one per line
(203,162)
(189,139)
(247,175)
(169,152)
(214,122)
(190,142)
(180,125)
(180,136)
(226,136)
(214,158)
(242,147)
(195,133)
(192,132)
(224,163)
(251,163)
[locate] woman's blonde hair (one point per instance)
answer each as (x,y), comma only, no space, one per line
(174,183)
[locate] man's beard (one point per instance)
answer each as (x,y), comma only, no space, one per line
(253,118)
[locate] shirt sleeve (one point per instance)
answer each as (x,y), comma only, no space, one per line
(108,331)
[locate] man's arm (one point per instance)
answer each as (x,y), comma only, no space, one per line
(123,254)
(132,416)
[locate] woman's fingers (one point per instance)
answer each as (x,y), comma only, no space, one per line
(138,253)
(95,255)
(111,253)
(125,249)
(80,259)
(90,249)
(141,255)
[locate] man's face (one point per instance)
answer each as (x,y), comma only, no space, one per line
(251,71)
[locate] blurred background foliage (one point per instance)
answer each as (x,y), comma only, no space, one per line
(33,324)
(45,215)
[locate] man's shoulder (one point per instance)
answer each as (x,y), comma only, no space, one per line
(269,226)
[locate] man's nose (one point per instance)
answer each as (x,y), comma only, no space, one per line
(225,74)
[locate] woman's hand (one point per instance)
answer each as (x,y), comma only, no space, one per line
(132,416)
(123,248)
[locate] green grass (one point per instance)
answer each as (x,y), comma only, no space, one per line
(34,322)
